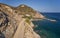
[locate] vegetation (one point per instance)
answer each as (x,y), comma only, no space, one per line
(28,18)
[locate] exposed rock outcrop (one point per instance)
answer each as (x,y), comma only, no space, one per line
(13,25)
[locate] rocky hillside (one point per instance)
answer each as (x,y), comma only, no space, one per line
(15,22)
(26,10)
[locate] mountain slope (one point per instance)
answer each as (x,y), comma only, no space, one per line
(11,25)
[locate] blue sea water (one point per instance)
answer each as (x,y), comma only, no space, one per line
(46,28)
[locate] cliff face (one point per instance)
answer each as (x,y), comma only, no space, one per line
(13,25)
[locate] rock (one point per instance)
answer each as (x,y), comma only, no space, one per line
(12,25)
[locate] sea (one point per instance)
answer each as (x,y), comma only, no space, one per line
(46,28)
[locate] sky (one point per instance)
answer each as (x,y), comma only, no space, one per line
(39,5)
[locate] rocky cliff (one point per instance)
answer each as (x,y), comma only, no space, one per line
(15,22)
